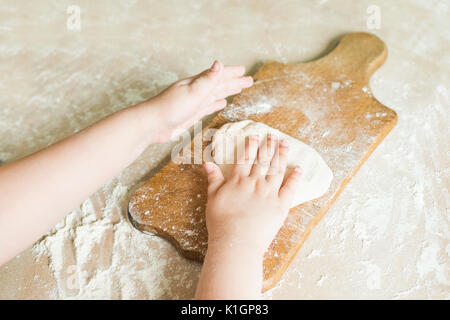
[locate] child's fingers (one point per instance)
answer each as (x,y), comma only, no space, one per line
(287,191)
(246,82)
(234,71)
(278,165)
(217,105)
(242,82)
(231,85)
(215,177)
(265,155)
(216,66)
(246,157)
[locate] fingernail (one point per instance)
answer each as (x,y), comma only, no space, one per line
(254,138)
(215,66)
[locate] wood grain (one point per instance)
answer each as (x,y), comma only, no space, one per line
(325,103)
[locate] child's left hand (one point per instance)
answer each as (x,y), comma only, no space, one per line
(187,101)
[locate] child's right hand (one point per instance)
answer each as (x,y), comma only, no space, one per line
(249,208)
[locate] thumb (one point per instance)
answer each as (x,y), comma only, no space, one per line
(215,176)
(207,80)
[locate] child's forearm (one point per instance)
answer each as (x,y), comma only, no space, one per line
(37,191)
(231,272)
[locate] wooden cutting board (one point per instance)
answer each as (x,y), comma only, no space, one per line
(325,103)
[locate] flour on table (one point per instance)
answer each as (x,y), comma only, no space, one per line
(95,253)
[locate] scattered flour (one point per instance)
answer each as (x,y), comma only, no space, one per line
(335,85)
(95,253)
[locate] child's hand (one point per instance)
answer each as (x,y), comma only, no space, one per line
(187,101)
(243,215)
(249,208)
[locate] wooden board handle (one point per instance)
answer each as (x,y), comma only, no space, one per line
(357,55)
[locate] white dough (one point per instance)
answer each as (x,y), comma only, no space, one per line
(316,176)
